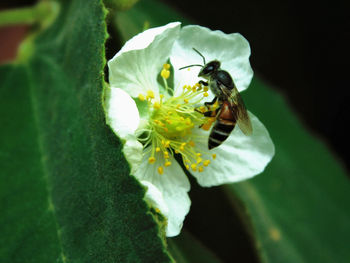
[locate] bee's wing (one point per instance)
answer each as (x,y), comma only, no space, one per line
(243,119)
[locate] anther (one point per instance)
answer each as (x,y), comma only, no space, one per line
(166,66)
(160,170)
(151,159)
(214,155)
(200,169)
(156,105)
(150,94)
(167,163)
(194,167)
(157,149)
(141,97)
(206,162)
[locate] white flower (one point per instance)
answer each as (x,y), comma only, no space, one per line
(156,119)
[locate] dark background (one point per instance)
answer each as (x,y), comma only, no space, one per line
(301,48)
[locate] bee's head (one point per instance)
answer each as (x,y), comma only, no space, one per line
(209,68)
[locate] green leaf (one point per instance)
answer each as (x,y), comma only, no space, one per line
(297,210)
(186,248)
(66,194)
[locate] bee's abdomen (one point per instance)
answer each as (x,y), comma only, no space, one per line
(220,132)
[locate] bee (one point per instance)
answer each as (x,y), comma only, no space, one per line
(231,110)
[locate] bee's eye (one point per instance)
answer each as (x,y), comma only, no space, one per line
(208,69)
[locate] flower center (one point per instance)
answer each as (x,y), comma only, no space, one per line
(171,123)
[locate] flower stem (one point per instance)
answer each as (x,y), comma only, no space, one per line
(28,15)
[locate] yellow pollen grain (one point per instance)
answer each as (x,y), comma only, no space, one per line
(141,97)
(160,170)
(206,162)
(214,155)
(166,66)
(205,94)
(187,167)
(194,167)
(151,159)
(168,163)
(156,105)
(166,155)
(157,149)
(199,160)
(165,73)
(167,144)
(150,94)
(200,169)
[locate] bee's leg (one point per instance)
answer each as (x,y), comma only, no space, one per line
(207,104)
(202,82)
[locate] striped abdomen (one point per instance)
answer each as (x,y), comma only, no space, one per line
(225,122)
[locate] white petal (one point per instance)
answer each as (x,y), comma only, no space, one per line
(133,151)
(239,157)
(136,66)
(155,197)
(121,112)
(232,50)
(174,186)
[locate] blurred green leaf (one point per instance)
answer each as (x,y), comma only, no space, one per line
(297,210)
(186,248)
(300,206)
(65,192)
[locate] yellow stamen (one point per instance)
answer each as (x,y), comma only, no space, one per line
(205,89)
(205,94)
(166,66)
(206,162)
(141,97)
(168,163)
(160,170)
(214,155)
(157,149)
(200,169)
(186,100)
(165,73)
(151,159)
(150,94)
(194,167)
(156,105)
(166,155)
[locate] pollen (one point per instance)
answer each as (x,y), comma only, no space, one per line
(165,73)
(167,163)
(205,94)
(206,162)
(141,97)
(150,94)
(214,156)
(194,167)
(157,149)
(156,105)
(160,170)
(151,159)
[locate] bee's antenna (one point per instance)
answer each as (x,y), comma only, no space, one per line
(199,53)
(195,65)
